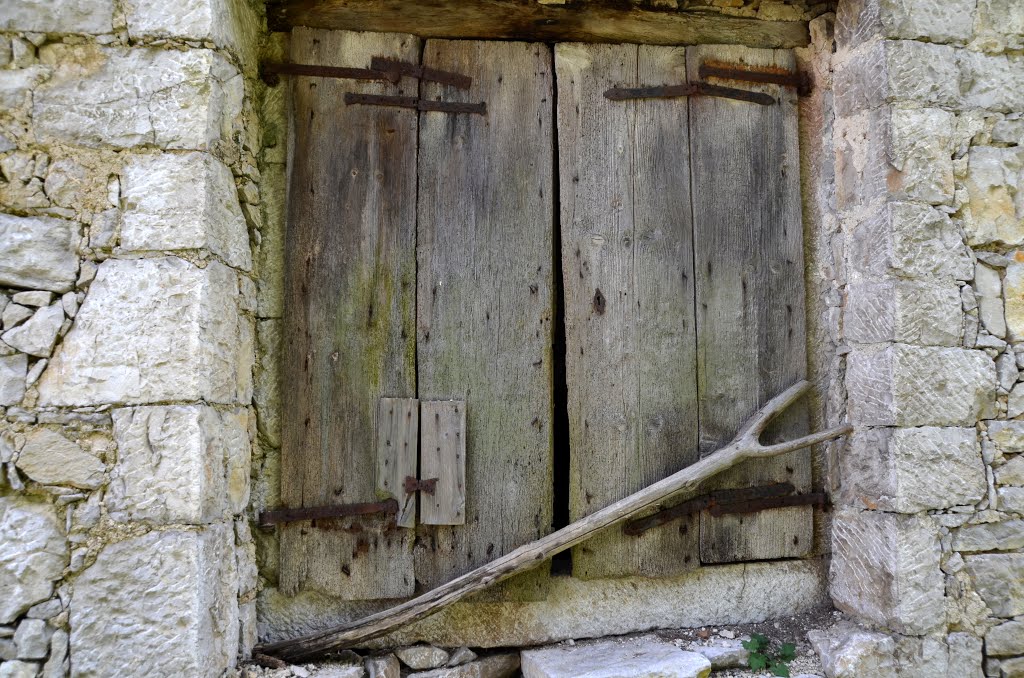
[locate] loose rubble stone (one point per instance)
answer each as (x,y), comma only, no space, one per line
(723,655)
(33,556)
(13,369)
(39,333)
(51,459)
(179,464)
(1007,435)
(1015,403)
(167,590)
(1011,499)
(422,656)
(47,610)
(1004,536)
(917,386)
(37,298)
(1009,668)
(639,658)
(38,252)
(332,671)
(989,288)
(1005,640)
(32,639)
(19,669)
(495,666)
(999,579)
(154,330)
(461,656)
(885,568)
(129,97)
(72,16)
(913,469)
(905,311)
(1012,472)
(847,651)
(57,665)
(383,667)
(15,314)
(183,201)
(996,208)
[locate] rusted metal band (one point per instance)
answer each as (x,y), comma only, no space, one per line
(799,80)
(397,69)
(387,507)
(413,102)
(726,502)
(270,72)
(412,485)
(689,90)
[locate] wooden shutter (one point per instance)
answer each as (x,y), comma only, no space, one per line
(350,316)
(485,313)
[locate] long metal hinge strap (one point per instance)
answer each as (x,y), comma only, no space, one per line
(688,90)
(270,71)
(799,80)
(725,502)
(387,507)
(396,69)
(413,102)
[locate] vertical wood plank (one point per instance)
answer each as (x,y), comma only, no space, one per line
(350,314)
(443,456)
(627,267)
(398,425)
(750,294)
(485,303)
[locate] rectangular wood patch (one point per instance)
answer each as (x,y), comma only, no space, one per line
(398,426)
(443,460)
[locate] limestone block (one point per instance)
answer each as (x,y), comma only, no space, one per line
(19,669)
(39,333)
(1000,25)
(1007,435)
(107,96)
(230,24)
(897,70)
(999,580)
(422,656)
(167,591)
(993,82)
(905,311)
(494,666)
(908,470)
(461,655)
(1011,500)
(51,459)
(179,464)
(38,252)
(32,639)
(177,201)
(638,658)
(1012,472)
(16,86)
(383,667)
(908,240)
(726,654)
(904,385)
(57,665)
(13,369)
(920,150)
(885,568)
(995,186)
(937,21)
(336,670)
(1005,640)
(847,651)
(965,655)
(153,330)
(267,384)
(33,556)
(1003,536)
(988,287)
(37,298)
(67,16)
(1013,291)
(271,251)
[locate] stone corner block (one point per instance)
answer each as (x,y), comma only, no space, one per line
(999,580)
(885,570)
(33,554)
(153,330)
(179,464)
(183,201)
(890,71)
(67,16)
(167,591)
(939,21)
(908,470)
(902,385)
(39,253)
(904,311)
(229,24)
(124,97)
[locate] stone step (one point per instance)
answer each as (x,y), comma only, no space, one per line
(646,657)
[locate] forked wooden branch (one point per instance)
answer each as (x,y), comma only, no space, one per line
(746,445)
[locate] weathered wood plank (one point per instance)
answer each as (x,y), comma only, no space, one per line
(593,21)
(443,456)
(398,427)
(485,294)
(350,318)
(750,294)
(628,275)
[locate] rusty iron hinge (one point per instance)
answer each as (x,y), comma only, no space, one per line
(381,68)
(726,502)
(688,90)
(268,518)
(765,75)
(413,102)
(412,485)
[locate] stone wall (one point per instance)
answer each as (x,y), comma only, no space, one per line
(928,539)
(129,226)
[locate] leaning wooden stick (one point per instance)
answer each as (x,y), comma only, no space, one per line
(746,445)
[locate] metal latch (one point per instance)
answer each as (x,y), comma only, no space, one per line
(413,485)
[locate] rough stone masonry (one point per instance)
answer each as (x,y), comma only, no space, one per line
(142,170)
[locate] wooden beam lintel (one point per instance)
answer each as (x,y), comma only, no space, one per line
(595,21)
